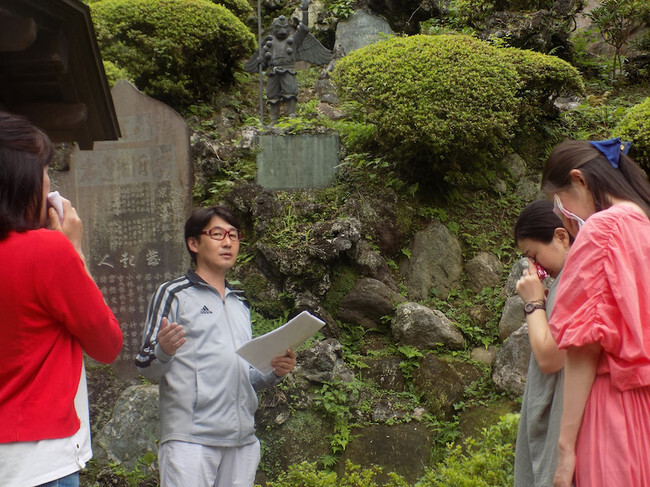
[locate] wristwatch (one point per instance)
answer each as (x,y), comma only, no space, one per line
(533,305)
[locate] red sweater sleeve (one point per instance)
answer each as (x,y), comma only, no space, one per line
(72,297)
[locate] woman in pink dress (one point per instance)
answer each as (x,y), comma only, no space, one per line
(603,317)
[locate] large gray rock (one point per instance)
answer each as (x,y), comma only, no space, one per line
(512,318)
(436,263)
(368,302)
(424,328)
(483,270)
(484,355)
(515,274)
(133,430)
(333,238)
(516,165)
(372,264)
(362,28)
(323,362)
(529,189)
(511,362)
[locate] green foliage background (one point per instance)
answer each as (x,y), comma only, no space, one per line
(635,127)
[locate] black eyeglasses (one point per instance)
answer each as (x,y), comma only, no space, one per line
(218,233)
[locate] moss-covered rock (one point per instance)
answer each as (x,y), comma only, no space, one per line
(442,381)
(302,437)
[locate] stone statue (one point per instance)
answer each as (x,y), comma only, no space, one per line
(278,53)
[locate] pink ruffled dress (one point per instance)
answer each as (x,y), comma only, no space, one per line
(604,297)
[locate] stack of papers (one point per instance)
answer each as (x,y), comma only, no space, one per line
(261,350)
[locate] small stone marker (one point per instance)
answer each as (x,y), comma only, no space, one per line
(361,29)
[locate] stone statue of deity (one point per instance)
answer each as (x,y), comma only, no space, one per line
(277,55)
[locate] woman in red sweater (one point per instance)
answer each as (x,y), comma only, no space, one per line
(51,311)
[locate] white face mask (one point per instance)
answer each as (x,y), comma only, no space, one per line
(560,211)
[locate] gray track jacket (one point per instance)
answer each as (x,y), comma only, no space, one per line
(207,392)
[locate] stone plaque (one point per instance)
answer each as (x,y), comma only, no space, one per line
(361,29)
(296,161)
(133,196)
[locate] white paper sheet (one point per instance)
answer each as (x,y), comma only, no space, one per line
(261,350)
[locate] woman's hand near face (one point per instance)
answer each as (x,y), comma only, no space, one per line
(71,227)
(529,287)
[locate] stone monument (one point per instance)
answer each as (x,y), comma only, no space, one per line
(297,161)
(133,196)
(362,28)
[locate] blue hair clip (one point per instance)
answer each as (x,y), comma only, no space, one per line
(611,149)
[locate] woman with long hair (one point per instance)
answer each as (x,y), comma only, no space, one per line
(602,318)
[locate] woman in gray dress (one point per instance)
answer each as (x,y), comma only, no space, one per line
(541,238)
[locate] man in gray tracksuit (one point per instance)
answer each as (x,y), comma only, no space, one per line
(207,392)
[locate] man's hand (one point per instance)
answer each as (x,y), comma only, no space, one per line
(171,336)
(283,364)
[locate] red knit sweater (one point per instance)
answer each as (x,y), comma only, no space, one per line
(50,310)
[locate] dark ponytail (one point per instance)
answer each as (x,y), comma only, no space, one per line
(628,182)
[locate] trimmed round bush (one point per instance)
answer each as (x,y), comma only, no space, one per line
(635,127)
(177,51)
(450,101)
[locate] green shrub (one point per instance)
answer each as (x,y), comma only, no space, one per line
(488,462)
(306,475)
(635,127)
(470,11)
(449,103)
(114,74)
(175,50)
(241,8)
(448,99)
(544,78)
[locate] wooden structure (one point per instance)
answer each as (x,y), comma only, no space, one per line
(52,73)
